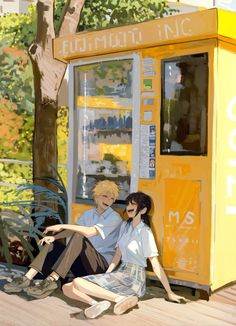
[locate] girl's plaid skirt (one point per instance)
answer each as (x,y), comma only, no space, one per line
(128,279)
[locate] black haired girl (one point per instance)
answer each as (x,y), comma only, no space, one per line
(141,200)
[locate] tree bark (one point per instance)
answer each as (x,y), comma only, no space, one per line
(48,75)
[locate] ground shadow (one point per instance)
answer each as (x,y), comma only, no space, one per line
(154,290)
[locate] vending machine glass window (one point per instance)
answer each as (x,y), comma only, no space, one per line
(184,105)
(104,104)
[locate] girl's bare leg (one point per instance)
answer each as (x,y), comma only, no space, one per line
(81,289)
(96,307)
(70,291)
(93,289)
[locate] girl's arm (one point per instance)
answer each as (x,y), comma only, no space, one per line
(115,261)
(160,273)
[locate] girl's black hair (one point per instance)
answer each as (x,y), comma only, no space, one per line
(141,200)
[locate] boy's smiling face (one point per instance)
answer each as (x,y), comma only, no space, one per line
(104,201)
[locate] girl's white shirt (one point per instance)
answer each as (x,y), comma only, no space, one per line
(136,243)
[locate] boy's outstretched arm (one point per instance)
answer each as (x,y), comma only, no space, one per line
(87,231)
(60,235)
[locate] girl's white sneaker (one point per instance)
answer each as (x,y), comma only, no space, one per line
(124,304)
(97,309)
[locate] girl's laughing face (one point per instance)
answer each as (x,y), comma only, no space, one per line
(131,209)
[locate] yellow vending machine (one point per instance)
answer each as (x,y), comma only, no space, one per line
(153,107)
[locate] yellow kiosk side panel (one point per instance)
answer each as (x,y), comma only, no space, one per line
(181,190)
(226,24)
(225,146)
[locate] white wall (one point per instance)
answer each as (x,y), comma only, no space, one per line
(200,3)
(224,4)
(14,6)
(24,5)
(9,6)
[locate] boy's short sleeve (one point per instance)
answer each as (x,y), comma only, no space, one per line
(81,220)
(108,225)
(149,244)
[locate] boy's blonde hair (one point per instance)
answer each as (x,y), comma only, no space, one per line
(104,187)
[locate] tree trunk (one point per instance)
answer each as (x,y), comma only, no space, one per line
(48,75)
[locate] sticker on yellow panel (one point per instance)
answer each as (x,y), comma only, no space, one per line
(181,225)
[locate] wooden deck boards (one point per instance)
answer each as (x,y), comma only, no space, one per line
(57,310)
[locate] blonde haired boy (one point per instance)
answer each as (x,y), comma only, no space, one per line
(104,187)
(89,251)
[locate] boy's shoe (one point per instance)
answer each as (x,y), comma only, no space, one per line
(96,309)
(43,289)
(17,285)
(124,304)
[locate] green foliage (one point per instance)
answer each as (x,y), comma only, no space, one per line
(7,194)
(11,175)
(26,217)
(109,13)
(64,174)
(37,208)
(62,134)
(16,103)
(110,157)
(23,146)
(15,173)
(15,133)
(16,231)
(59,7)
(19,29)
(16,83)
(62,141)
(21,149)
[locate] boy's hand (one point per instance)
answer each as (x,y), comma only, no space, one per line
(47,240)
(53,228)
